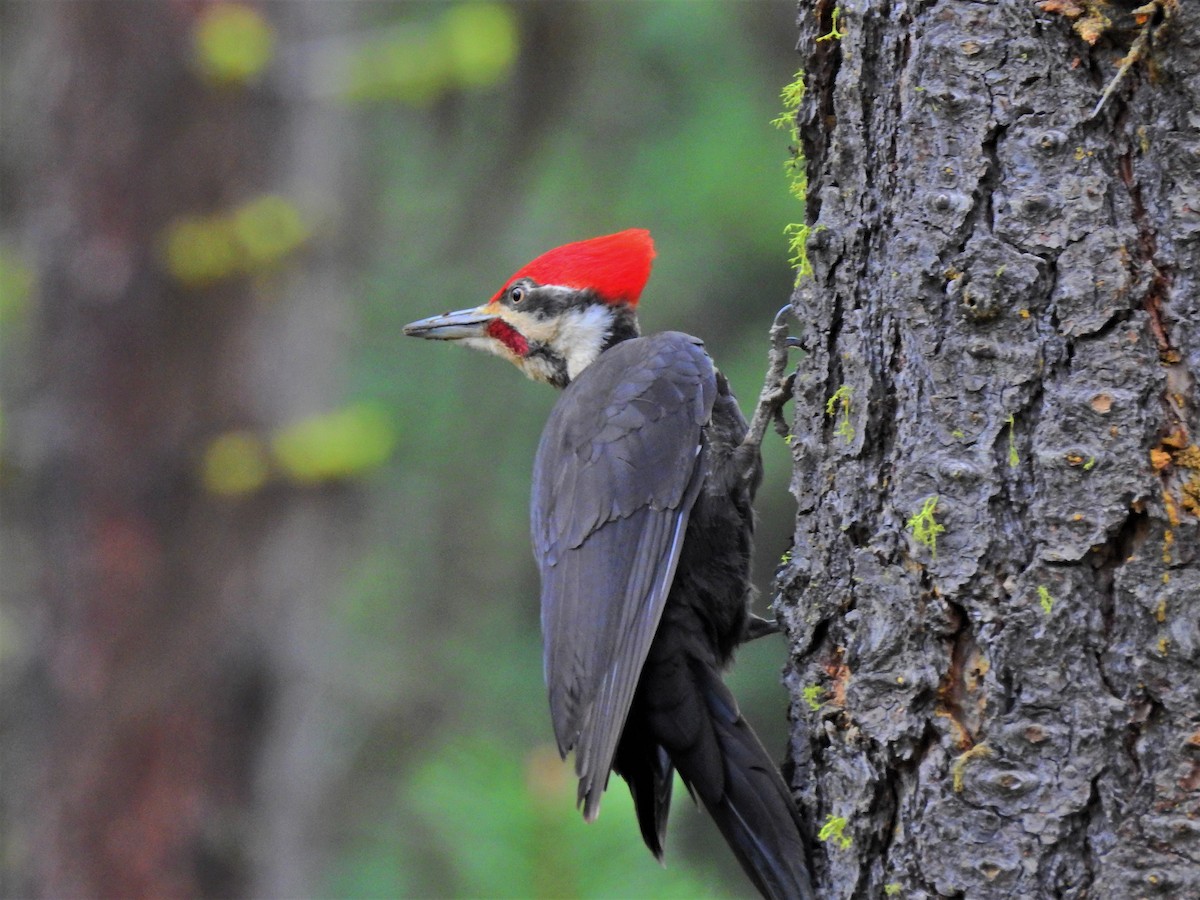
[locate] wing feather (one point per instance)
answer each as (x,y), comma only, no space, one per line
(618,469)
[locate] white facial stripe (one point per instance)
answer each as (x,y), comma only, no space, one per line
(581,336)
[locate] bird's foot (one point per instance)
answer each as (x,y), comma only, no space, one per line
(777,389)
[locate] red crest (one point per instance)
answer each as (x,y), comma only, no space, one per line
(615,266)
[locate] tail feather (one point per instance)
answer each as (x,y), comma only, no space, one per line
(753,807)
(685,719)
(650,775)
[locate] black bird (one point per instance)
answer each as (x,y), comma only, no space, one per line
(642,525)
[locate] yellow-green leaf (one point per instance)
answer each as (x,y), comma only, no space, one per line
(236,463)
(267,229)
(335,445)
(233,42)
(480,40)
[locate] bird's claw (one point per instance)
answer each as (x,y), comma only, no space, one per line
(777,389)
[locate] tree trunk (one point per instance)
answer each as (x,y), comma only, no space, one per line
(169,626)
(994,596)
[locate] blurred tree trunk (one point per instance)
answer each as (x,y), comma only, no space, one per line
(171,630)
(994,596)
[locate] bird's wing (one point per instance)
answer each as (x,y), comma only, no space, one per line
(619,466)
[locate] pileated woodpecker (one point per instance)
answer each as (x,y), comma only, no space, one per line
(642,523)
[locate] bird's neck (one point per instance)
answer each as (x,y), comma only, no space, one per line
(581,337)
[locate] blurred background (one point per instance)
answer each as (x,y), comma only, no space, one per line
(269,619)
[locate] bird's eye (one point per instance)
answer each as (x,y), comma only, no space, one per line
(517,294)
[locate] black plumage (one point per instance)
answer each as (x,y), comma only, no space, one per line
(642,526)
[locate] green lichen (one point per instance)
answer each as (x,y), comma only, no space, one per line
(835,34)
(797,234)
(892,890)
(786,558)
(796,169)
(924,527)
(1045,599)
(1090,464)
(833,830)
(812,696)
(839,404)
(1013,459)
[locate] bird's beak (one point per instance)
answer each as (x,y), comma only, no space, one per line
(453,326)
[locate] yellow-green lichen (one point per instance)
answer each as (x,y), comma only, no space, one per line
(835,34)
(924,527)
(796,169)
(812,696)
(1045,599)
(1013,459)
(839,405)
(833,831)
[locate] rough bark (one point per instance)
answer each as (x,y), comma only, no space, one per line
(1009,289)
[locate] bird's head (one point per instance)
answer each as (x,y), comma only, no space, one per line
(556,314)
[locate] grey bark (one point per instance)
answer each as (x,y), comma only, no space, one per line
(1010,290)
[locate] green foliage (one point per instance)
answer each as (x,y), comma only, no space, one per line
(924,527)
(341,444)
(472,45)
(812,696)
(233,42)
(833,830)
(16,288)
(892,889)
(481,42)
(481,820)
(235,463)
(344,444)
(202,250)
(266,230)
